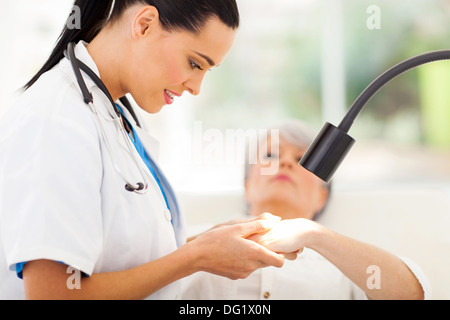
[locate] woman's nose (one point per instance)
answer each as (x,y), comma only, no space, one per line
(193,85)
(287,161)
(194,92)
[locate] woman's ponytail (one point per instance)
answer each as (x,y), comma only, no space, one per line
(93,14)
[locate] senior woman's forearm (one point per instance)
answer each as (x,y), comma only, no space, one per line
(360,261)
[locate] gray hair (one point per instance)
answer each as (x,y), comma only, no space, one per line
(297,133)
(293,131)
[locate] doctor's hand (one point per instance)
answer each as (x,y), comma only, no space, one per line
(287,236)
(270,218)
(225,251)
(265,216)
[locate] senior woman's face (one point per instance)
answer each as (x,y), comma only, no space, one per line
(293,191)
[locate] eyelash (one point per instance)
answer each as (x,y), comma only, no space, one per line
(270,155)
(195,65)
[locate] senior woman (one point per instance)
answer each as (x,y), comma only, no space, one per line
(330,265)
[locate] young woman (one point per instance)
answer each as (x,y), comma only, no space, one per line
(66,205)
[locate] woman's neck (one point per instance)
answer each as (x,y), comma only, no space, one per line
(106,51)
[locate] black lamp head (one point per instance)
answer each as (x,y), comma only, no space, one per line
(327,151)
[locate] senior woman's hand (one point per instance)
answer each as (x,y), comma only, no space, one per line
(287,236)
(265,216)
(268,219)
(227,252)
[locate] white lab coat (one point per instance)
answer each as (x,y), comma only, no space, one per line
(61,198)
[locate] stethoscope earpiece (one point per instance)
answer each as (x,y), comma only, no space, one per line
(141,186)
(129,187)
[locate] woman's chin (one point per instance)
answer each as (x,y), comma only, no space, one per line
(152,108)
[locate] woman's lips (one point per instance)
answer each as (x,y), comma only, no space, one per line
(282,177)
(169,96)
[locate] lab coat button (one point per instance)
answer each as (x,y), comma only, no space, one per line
(167,215)
(266,295)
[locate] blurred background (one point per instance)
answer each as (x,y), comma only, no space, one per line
(304,59)
(292,58)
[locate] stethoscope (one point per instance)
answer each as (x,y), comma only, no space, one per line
(116,117)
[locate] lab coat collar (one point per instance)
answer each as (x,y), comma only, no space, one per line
(82,54)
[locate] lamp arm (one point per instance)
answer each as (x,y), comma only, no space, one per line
(332,143)
(384,78)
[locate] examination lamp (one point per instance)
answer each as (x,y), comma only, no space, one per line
(332,144)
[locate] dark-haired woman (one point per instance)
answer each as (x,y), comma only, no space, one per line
(69,228)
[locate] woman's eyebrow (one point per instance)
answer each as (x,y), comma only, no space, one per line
(208,59)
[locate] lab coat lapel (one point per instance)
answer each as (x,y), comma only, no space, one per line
(152,147)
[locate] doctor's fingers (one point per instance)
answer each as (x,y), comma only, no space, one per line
(256,226)
(264,216)
(261,257)
(292,255)
(232,222)
(248,266)
(238,259)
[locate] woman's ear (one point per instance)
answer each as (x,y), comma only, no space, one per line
(247,204)
(324,193)
(247,180)
(246,189)
(146,19)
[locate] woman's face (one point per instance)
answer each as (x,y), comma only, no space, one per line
(164,64)
(293,190)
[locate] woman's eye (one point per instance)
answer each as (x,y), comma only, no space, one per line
(299,157)
(270,155)
(195,65)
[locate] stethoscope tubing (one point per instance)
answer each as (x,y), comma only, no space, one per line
(77,66)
